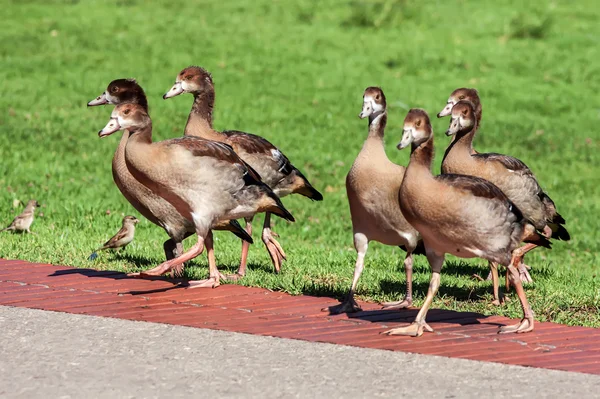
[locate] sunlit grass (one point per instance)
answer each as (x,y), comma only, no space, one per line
(295,74)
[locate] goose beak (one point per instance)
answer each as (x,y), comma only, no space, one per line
(406,139)
(367,110)
(100,100)
(111,127)
(176,90)
(453,128)
(446,111)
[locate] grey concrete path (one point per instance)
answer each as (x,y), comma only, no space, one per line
(50,355)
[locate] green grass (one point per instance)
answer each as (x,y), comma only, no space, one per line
(295,73)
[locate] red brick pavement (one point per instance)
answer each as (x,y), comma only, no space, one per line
(263,312)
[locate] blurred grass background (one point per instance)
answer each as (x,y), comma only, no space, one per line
(295,72)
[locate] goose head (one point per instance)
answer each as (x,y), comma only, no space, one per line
(460,94)
(120,91)
(374,103)
(416,128)
(463,118)
(132,117)
(193,79)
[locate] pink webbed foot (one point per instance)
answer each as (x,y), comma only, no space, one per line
(233,277)
(403,304)
(498,302)
(155,272)
(211,282)
(525,325)
(275,250)
(177,271)
(524,273)
(416,329)
(348,306)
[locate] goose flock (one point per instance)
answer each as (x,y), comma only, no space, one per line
(482,205)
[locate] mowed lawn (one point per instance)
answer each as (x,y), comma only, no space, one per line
(295,72)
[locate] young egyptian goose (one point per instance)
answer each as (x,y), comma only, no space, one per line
(22,222)
(462,93)
(465,216)
(373,185)
(271,164)
(150,205)
(204,180)
(510,174)
(122,239)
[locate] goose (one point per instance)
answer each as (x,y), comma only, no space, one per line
(509,174)
(271,164)
(465,216)
(152,206)
(372,186)
(204,180)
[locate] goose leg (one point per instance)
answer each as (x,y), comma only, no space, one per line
(526,323)
(214,276)
(407,301)
(495,283)
(349,305)
(170,264)
(172,250)
(522,267)
(275,251)
(419,325)
(244,259)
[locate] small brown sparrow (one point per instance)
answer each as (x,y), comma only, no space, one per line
(121,239)
(22,223)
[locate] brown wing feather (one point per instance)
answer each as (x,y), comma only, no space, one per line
(477,186)
(509,162)
(253,144)
(224,152)
(207,148)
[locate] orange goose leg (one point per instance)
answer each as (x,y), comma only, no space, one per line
(244,260)
(419,326)
(170,264)
(275,251)
(520,254)
(214,277)
(526,323)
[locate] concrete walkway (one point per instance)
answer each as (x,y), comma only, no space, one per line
(49,355)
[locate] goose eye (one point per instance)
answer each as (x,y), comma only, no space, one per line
(461,97)
(188,77)
(377,97)
(418,123)
(113,89)
(127,111)
(464,112)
